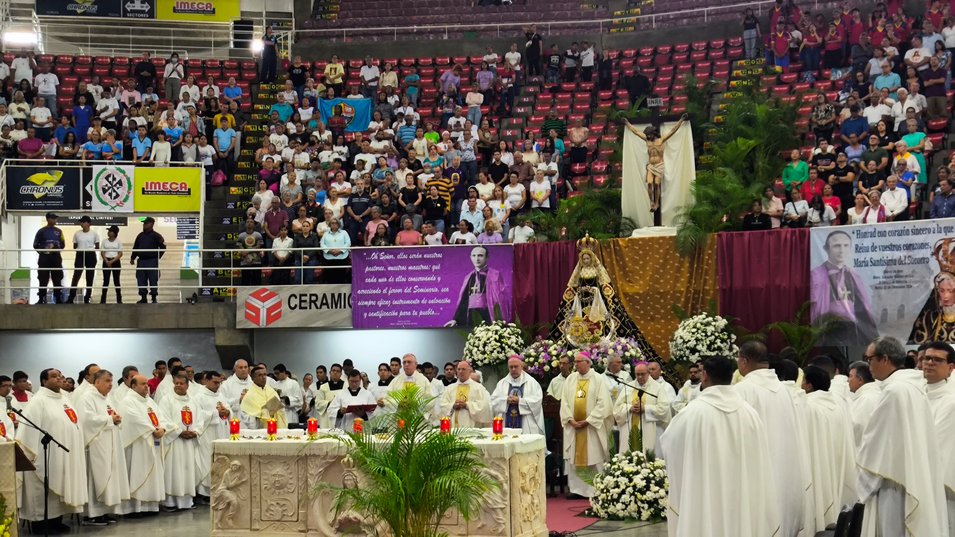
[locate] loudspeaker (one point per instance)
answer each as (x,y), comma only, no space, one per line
(242,34)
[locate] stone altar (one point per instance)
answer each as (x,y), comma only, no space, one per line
(268,488)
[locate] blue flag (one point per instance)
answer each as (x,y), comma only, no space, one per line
(357,112)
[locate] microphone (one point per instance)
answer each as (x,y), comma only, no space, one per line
(640,390)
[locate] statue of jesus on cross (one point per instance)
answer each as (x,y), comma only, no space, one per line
(655,147)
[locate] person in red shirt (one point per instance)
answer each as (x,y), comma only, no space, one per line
(775,15)
(834,47)
(855,28)
(158,374)
(779,44)
(21,387)
(809,49)
(879,33)
(935,14)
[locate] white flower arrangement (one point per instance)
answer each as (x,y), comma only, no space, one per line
(542,358)
(490,344)
(626,348)
(631,486)
(701,336)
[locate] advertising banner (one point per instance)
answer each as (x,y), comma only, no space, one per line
(110,189)
(357,112)
(294,306)
(41,189)
(895,279)
(201,10)
(170,10)
(429,287)
(80,8)
(167,190)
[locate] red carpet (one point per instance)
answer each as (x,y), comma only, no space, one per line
(562,514)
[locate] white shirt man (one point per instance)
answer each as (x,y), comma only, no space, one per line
(289,391)
(329,391)
(918,55)
(866,394)
(689,391)
(466,402)
(51,410)
(895,199)
(22,67)
(705,484)
(180,444)
(937,369)
(900,441)
(143,424)
(46,83)
(351,403)
(408,375)
(761,388)
(379,388)
(875,112)
(234,387)
(556,387)
(586,414)
(107,107)
(521,234)
(615,369)
(106,461)
(214,409)
(519,398)
(642,414)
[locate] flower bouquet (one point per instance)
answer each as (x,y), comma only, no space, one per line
(625,348)
(492,344)
(632,486)
(702,336)
(541,358)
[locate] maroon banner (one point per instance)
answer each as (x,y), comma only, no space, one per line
(541,274)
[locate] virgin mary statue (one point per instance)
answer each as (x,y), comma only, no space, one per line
(591,310)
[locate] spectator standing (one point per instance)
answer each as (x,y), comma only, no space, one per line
(587,60)
(370,76)
(943,205)
(750,34)
(85,243)
(49,243)
(270,56)
(411,82)
(145,73)
(41,118)
(335,249)
(108,110)
(225,140)
(334,74)
(513,59)
(148,248)
(306,245)
(46,84)
(23,66)
(554,60)
(282,257)
(298,76)
(173,74)
(112,255)
(533,52)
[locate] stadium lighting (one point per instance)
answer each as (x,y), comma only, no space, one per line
(19,38)
(257,46)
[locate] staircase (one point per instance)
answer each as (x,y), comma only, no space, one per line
(225,213)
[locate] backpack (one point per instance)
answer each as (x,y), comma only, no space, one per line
(218,178)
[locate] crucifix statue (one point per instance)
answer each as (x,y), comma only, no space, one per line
(655,147)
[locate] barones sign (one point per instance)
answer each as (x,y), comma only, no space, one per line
(297,306)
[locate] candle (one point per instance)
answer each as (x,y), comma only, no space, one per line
(401,424)
(312,427)
(359,426)
(234,429)
(498,426)
(272,428)
(445,425)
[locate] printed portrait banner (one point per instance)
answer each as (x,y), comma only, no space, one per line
(167,190)
(294,306)
(41,189)
(357,112)
(887,279)
(431,286)
(110,189)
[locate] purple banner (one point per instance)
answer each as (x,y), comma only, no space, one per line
(431,286)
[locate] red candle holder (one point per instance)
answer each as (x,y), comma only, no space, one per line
(401,424)
(359,426)
(234,429)
(272,428)
(497,427)
(445,425)
(312,428)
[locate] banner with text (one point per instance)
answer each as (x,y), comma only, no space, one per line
(171,10)
(201,10)
(168,190)
(294,306)
(428,287)
(110,189)
(894,279)
(44,188)
(356,112)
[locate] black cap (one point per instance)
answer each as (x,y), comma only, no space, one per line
(85,219)
(149,220)
(51,215)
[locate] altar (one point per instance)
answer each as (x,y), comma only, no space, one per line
(270,487)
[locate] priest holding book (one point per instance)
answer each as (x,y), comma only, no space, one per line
(352,403)
(261,403)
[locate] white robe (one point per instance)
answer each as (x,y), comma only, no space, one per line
(116,397)
(343,399)
(832,455)
(67,471)
(687,393)
(615,387)
(477,413)
(309,395)
(899,466)
(599,410)
(232,390)
(734,469)
(418,379)
(291,389)
(655,416)
(380,392)
(144,454)
(556,386)
(108,476)
(215,428)
(866,398)
(801,404)
(529,407)
(942,398)
(179,462)
(840,387)
(163,389)
(774,404)
(326,420)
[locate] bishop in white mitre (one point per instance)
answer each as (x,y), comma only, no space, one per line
(143,424)
(519,399)
(50,409)
(290,392)
(214,409)
(181,444)
(347,405)
(761,388)
(586,414)
(466,402)
(708,486)
(641,413)
(937,367)
(900,474)
(106,460)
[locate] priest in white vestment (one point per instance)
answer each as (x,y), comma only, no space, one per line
(142,431)
(407,375)
(181,445)
(348,405)
(866,394)
(173,368)
(334,386)
(85,381)
(118,394)
(261,403)
(689,391)
(289,392)
(49,409)
(788,373)
(900,474)
(108,476)
(641,414)
(586,414)
(615,369)
(831,449)
(215,410)
(235,387)
(556,386)
(725,489)
(466,402)
(379,388)
(937,367)
(761,388)
(519,398)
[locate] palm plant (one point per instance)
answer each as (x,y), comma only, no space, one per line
(413,475)
(801,334)
(597,211)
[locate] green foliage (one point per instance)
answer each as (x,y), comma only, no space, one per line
(412,475)
(800,333)
(597,211)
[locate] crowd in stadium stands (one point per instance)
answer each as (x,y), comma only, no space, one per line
(869,142)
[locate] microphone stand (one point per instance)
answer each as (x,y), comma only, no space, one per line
(45,441)
(640,390)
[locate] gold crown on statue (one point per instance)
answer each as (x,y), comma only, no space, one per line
(944,253)
(587,243)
